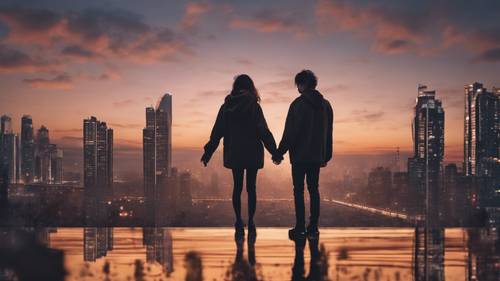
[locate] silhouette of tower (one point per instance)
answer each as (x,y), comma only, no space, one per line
(27,149)
(424,167)
(157,154)
(9,149)
(97,166)
(481,130)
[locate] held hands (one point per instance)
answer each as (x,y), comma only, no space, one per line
(277,158)
(204,159)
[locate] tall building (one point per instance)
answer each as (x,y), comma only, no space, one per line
(380,187)
(97,166)
(428,141)
(9,149)
(27,150)
(42,167)
(481,130)
(157,152)
(56,164)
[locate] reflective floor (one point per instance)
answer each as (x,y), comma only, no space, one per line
(213,254)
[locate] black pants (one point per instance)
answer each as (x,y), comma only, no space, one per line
(251,190)
(311,173)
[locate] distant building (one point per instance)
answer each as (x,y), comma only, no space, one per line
(428,141)
(380,186)
(42,168)
(56,164)
(27,150)
(97,164)
(9,149)
(157,154)
(481,130)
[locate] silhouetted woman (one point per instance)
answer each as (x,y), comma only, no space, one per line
(241,123)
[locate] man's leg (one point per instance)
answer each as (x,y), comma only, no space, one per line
(298,173)
(312,187)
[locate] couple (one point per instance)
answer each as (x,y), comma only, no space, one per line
(307,137)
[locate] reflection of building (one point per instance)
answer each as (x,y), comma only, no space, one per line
(157,154)
(98,165)
(159,247)
(97,241)
(484,254)
(9,149)
(482,130)
(428,140)
(27,149)
(428,257)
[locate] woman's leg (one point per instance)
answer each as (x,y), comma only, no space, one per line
(252,194)
(237,188)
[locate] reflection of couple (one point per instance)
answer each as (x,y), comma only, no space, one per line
(307,137)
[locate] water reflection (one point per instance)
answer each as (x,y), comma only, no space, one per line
(212,254)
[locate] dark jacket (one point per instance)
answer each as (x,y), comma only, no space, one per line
(241,123)
(308,130)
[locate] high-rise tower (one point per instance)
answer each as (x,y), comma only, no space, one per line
(428,141)
(481,130)
(97,166)
(27,149)
(157,151)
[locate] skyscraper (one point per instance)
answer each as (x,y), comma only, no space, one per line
(481,130)
(42,167)
(56,165)
(97,165)
(428,141)
(9,149)
(27,149)
(157,152)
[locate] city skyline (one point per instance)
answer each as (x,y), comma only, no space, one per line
(366,76)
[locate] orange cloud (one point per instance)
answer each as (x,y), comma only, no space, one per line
(15,60)
(270,22)
(393,32)
(193,13)
(93,34)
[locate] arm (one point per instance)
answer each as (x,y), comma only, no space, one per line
(263,132)
(215,136)
(329,132)
(290,131)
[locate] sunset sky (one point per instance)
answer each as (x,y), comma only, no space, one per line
(62,61)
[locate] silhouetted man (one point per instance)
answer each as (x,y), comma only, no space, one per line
(308,138)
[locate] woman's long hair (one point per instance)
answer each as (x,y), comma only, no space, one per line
(243,82)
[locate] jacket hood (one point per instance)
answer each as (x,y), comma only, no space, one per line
(314,97)
(241,103)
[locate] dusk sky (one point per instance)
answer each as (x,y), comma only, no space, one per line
(62,61)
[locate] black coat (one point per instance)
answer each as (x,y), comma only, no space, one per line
(308,130)
(241,123)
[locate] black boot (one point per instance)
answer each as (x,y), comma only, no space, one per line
(296,233)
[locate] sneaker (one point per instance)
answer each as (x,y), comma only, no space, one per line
(239,230)
(296,233)
(312,232)
(252,233)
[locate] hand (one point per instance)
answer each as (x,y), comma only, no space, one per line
(277,158)
(204,159)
